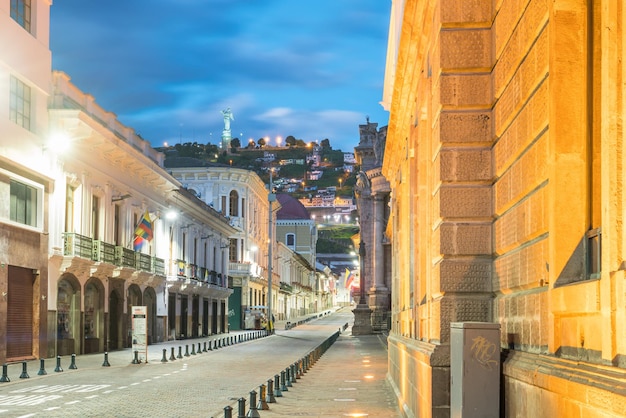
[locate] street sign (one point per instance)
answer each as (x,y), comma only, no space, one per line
(139,332)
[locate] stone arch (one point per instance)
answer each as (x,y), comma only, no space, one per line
(68,315)
(93,317)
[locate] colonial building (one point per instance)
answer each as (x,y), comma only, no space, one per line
(242,197)
(107,183)
(297,231)
(505,158)
(26,178)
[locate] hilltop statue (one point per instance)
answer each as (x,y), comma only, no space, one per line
(228,116)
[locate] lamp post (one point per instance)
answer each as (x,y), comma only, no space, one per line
(271,197)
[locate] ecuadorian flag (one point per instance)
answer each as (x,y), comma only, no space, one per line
(349,278)
(143,231)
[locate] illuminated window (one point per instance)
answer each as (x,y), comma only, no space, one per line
(20,12)
(19,108)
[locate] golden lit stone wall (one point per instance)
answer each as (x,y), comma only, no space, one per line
(505,157)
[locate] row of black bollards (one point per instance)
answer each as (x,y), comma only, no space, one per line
(280,383)
(42,368)
(204,347)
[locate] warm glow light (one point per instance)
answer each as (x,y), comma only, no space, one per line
(171,215)
(279,140)
(368,376)
(58,142)
(356,414)
(254,248)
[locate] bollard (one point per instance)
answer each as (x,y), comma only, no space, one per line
(215,344)
(253,412)
(164,359)
(204,350)
(193,349)
(24,374)
(270,392)
(288,376)
(241,407)
(58,368)
(293,372)
(5,374)
(200,348)
(228,412)
(210,347)
(283,385)
(262,405)
(106,363)
(136,358)
(73,363)
(277,391)
(172,356)
(186,350)
(42,368)
(180,352)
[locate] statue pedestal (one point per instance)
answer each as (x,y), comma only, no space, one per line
(362,320)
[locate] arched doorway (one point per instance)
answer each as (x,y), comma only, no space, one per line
(149,300)
(116,309)
(68,316)
(93,324)
(133,299)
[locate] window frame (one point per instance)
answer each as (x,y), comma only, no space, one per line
(20,106)
(39,193)
(22,15)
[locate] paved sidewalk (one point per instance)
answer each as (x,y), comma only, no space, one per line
(349,380)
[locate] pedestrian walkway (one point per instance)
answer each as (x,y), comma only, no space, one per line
(349,380)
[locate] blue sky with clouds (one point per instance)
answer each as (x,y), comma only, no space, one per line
(313,69)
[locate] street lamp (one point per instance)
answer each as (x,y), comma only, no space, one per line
(271,198)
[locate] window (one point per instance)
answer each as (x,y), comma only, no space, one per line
(290,240)
(69,208)
(234,203)
(19,111)
(20,12)
(95,217)
(232,250)
(24,203)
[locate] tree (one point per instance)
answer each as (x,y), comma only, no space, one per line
(235,143)
(290,141)
(325,143)
(261,142)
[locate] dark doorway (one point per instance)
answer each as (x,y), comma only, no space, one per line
(205,317)
(214,318)
(171,315)
(195,314)
(114,320)
(184,307)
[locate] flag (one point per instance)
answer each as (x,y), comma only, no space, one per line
(137,243)
(349,278)
(144,228)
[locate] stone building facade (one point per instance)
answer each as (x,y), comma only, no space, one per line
(504,155)
(372,196)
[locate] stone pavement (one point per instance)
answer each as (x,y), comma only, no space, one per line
(348,379)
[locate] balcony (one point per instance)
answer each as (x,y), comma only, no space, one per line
(84,256)
(186,278)
(239,269)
